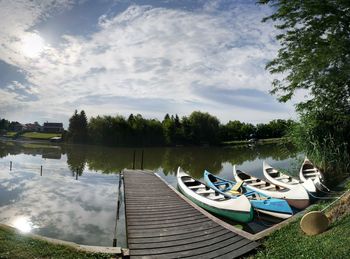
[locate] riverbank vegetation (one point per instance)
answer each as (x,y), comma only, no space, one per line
(40,135)
(314,58)
(196,129)
(16,245)
(333,243)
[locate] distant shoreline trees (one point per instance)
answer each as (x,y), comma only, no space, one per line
(198,128)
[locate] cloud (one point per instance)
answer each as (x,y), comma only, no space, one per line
(155,54)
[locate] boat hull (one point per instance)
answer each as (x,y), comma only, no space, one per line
(296,196)
(271,206)
(239,216)
(298,203)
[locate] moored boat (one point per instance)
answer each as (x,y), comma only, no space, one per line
(310,173)
(276,177)
(262,203)
(237,209)
(296,196)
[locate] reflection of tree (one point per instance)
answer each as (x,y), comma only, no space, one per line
(76,159)
(110,160)
(192,159)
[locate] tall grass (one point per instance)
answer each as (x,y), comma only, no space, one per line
(325,140)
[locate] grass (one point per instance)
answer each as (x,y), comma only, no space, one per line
(15,245)
(40,135)
(290,241)
(10,134)
(246,142)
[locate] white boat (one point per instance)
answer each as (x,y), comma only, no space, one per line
(276,177)
(310,173)
(238,209)
(296,196)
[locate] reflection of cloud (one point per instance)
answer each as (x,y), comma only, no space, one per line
(60,207)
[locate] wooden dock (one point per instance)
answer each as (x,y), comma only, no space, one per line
(163,224)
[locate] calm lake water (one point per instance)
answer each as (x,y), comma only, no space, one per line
(74,197)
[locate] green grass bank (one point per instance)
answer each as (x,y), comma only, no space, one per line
(258,142)
(15,245)
(291,242)
(40,135)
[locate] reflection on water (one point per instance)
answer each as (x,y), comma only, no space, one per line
(22,223)
(75,198)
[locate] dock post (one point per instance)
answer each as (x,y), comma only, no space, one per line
(41,170)
(142,160)
(118,209)
(10,165)
(133,161)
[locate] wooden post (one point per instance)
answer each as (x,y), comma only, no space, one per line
(118,209)
(133,161)
(41,170)
(142,160)
(10,165)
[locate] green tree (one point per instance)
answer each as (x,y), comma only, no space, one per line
(315,57)
(78,127)
(203,128)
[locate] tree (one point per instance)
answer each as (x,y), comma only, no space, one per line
(203,128)
(315,56)
(78,127)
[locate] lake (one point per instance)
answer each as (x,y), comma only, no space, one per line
(74,196)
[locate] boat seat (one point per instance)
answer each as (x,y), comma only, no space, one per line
(282,177)
(205,191)
(189,181)
(256,184)
(310,170)
(219,197)
(311,174)
(268,187)
(196,186)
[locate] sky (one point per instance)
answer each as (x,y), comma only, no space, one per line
(155,57)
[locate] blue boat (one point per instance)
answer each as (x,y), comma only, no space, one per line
(262,203)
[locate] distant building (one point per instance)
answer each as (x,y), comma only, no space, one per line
(32,127)
(17,127)
(52,127)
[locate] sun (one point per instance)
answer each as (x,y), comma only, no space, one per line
(32,45)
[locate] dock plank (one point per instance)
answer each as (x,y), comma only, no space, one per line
(162,224)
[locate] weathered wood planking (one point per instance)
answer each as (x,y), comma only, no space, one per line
(161,224)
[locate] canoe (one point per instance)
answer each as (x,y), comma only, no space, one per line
(310,173)
(262,203)
(276,177)
(238,209)
(296,196)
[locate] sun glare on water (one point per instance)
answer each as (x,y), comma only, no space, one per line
(22,224)
(32,45)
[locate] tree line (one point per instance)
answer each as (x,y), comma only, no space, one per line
(199,128)
(6,125)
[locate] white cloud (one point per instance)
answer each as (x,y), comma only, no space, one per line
(153,53)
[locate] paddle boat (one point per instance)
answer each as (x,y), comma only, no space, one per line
(262,203)
(238,209)
(296,196)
